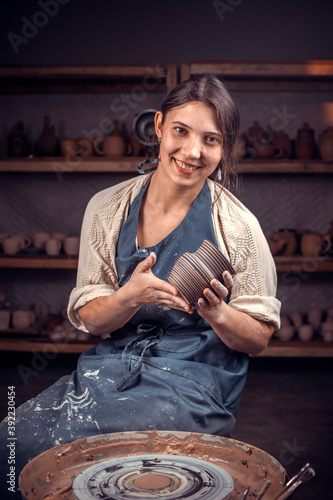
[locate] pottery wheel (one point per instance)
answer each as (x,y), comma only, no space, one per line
(153,476)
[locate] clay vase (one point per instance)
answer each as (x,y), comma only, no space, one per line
(326,144)
(287,239)
(255,134)
(48,143)
(314,245)
(114,144)
(18,144)
(260,146)
(282,141)
(276,245)
(193,272)
(305,146)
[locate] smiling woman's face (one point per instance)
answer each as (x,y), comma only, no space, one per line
(191,143)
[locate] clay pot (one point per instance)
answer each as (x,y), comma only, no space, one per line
(276,246)
(305,146)
(286,238)
(48,143)
(193,272)
(255,133)
(326,144)
(260,145)
(22,319)
(305,333)
(18,144)
(282,141)
(314,245)
(114,144)
(85,146)
(286,333)
(71,246)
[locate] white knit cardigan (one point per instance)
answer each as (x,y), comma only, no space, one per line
(238,235)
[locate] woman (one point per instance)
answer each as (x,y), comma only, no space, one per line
(165,364)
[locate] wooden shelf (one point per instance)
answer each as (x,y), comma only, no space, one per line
(276,348)
(298,349)
(24,345)
(82,79)
(285,167)
(58,164)
(295,263)
(267,75)
(37,262)
(128,164)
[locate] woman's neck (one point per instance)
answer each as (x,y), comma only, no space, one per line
(168,197)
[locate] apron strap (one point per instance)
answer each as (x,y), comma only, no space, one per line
(148,335)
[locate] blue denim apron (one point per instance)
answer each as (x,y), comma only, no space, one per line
(165,369)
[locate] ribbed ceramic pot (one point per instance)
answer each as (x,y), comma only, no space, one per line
(193,272)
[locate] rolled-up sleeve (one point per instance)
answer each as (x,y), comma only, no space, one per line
(240,236)
(96,274)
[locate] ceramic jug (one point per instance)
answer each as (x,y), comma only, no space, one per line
(52,247)
(275,244)
(260,145)
(314,245)
(114,144)
(287,239)
(70,148)
(11,246)
(24,238)
(305,146)
(22,319)
(326,144)
(282,141)
(39,239)
(48,143)
(4,319)
(71,246)
(85,146)
(18,144)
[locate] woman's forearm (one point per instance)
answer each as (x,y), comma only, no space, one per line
(107,314)
(242,332)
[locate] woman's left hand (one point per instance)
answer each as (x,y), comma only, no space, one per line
(210,307)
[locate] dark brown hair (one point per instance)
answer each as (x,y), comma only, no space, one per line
(211,91)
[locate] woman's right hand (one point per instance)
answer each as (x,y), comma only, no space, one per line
(109,313)
(145,288)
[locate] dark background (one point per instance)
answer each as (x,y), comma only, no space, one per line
(174,31)
(286,403)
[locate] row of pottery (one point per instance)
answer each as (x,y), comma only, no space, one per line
(261,143)
(41,242)
(290,242)
(21,319)
(306,326)
(48,144)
